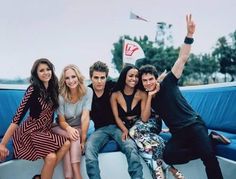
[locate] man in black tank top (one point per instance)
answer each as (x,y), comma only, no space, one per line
(189,134)
(105,126)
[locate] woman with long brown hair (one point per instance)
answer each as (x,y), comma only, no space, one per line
(33,138)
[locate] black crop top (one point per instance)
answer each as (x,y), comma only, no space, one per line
(136,111)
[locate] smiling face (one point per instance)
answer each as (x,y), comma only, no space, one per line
(44,73)
(71,79)
(98,79)
(131,79)
(149,81)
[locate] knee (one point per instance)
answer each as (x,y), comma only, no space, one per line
(91,150)
(167,159)
(51,158)
(88,148)
(67,145)
(168,156)
(129,147)
(207,154)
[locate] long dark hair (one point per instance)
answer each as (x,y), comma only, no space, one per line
(51,93)
(120,85)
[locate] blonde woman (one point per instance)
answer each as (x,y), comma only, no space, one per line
(73,117)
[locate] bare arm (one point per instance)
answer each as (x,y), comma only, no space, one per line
(145,111)
(62,122)
(85,117)
(20,113)
(119,122)
(72,132)
(85,125)
(178,67)
(148,107)
(162,76)
(4,152)
(150,95)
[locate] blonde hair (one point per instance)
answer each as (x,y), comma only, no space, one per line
(64,89)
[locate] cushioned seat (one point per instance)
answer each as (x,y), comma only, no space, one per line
(9,101)
(215,103)
(227,151)
(111,146)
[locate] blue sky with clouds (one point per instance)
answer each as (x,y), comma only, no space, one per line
(82,32)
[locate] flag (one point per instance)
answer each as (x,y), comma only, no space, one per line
(132,52)
(136,17)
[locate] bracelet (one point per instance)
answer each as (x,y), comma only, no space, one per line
(188,40)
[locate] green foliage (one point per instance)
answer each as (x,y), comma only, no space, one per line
(117,54)
(225,53)
(199,68)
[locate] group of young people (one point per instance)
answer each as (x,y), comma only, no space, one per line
(128,111)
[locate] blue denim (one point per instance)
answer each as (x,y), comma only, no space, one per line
(98,139)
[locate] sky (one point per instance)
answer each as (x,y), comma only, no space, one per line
(82,32)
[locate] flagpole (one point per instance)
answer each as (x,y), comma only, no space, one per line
(132,51)
(162,30)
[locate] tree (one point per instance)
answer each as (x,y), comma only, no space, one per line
(118,47)
(209,65)
(199,69)
(117,54)
(226,55)
(233,55)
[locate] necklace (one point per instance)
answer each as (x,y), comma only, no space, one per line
(74,105)
(75,111)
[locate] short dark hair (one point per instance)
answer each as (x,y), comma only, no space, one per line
(98,66)
(145,69)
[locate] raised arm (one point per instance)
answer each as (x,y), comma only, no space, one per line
(178,67)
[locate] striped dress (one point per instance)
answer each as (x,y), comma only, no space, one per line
(34,139)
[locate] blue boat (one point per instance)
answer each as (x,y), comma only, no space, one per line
(216,103)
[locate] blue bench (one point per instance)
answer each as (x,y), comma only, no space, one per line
(215,103)
(10,100)
(217,106)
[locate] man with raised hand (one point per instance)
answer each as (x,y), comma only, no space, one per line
(189,134)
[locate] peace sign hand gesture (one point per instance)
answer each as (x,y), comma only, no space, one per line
(190,25)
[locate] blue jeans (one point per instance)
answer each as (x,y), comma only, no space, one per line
(98,139)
